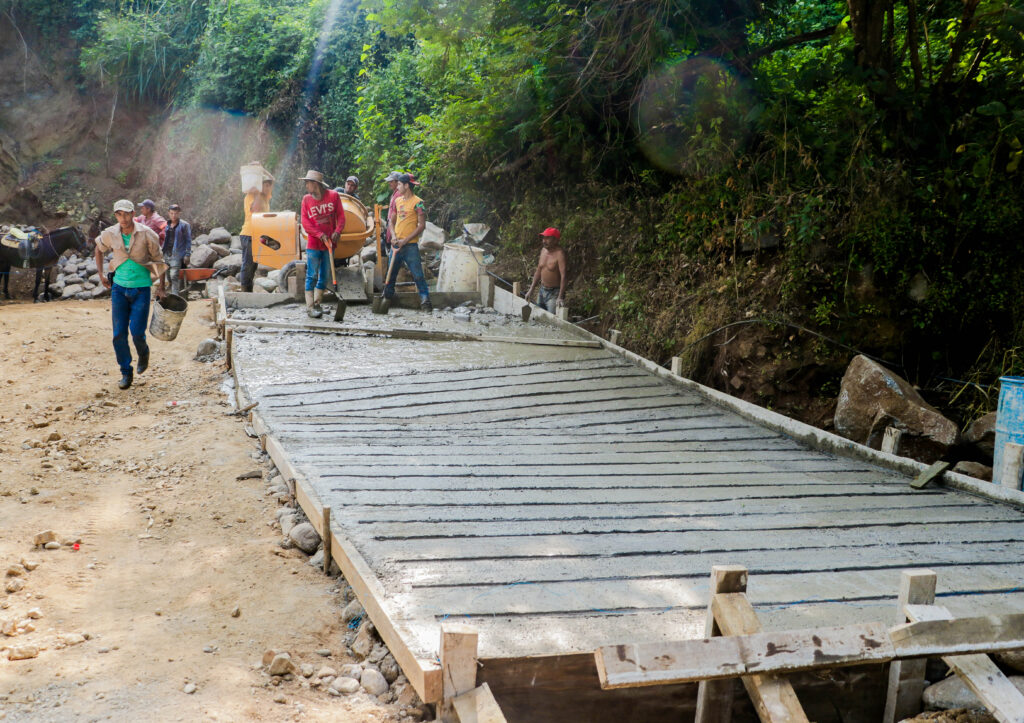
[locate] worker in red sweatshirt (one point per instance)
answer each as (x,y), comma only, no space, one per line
(323,220)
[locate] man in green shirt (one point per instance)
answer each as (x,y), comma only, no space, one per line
(136,260)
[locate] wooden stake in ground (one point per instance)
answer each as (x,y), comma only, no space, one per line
(906,677)
(714,697)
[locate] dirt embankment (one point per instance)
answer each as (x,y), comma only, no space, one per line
(171,544)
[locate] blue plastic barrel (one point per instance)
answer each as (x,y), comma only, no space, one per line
(1009,419)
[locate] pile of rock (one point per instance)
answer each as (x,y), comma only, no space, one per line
(376,673)
(873,398)
(77,278)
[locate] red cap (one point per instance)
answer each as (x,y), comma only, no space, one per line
(551,232)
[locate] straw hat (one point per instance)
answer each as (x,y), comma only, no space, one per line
(312,175)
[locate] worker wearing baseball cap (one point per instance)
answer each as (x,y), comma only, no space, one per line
(407,224)
(137,260)
(149,216)
(550,272)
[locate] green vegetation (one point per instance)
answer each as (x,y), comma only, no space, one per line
(874,146)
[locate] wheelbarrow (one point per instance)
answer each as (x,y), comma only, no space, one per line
(191,274)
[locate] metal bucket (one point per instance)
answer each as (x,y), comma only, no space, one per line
(1009,420)
(168,314)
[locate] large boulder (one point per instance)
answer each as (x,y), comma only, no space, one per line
(221,250)
(71,290)
(232,263)
(872,398)
(201,239)
(220,235)
(982,433)
(203,257)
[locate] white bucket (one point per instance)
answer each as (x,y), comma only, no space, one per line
(252,177)
(460,268)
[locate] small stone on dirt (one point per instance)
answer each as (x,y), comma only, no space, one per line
(345,686)
(280,698)
(352,611)
(72,638)
(326,672)
(14,585)
(236,611)
(52,546)
(307,670)
(373,682)
(22,652)
(324,653)
(42,538)
(189,688)
(16,571)
(281,664)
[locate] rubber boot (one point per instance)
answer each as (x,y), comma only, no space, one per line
(318,296)
(310,309)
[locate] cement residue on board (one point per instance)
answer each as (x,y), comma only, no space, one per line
(270,356)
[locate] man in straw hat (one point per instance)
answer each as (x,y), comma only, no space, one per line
(323,220)
(137,260)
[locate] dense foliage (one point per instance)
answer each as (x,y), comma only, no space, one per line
(874,145)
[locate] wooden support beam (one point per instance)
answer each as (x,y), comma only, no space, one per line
(478,706)
(714,698)
(517,289)
(614,335)
(906,677)
(891,440)
(562,312)
(772,695)
(325,534)
(934,634)
(677,366)
(418,334)
(1013,466)
(789,651)
(978,672)
(923,479)
(458,666)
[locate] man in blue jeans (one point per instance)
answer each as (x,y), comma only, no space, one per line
(406,227)
(137,259)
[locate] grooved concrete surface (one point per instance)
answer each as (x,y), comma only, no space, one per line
(561,499)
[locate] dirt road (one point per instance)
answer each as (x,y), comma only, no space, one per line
(171,544)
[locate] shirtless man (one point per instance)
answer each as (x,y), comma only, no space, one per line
(550,272)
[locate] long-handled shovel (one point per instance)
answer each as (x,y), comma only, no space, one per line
(339,310)
(382,305)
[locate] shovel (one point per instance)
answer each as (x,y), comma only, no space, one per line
(339,310)
(380,304)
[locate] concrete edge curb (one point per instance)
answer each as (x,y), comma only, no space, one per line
(816,438)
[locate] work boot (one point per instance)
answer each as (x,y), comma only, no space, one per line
(126,380)
(311,310)
(143,362)
(426,305)
(318,297)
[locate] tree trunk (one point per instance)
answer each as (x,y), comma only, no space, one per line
(867,20)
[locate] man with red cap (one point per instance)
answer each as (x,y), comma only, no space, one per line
(550,272)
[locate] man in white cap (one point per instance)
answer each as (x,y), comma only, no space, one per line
(323,220)
(137,260)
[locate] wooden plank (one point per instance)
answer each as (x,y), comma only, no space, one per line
(727,657)
(936,470)
(458,666)
(977,671)
(416,334)
(325,534)
(906,677)
(773,696)
(714,697)
(891,440)
(932,635)
(478,706)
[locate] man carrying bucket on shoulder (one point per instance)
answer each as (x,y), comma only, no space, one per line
(137,260)
(323,220)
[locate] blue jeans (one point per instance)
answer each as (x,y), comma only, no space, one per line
(130,311)
(317,269)
(410,256)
